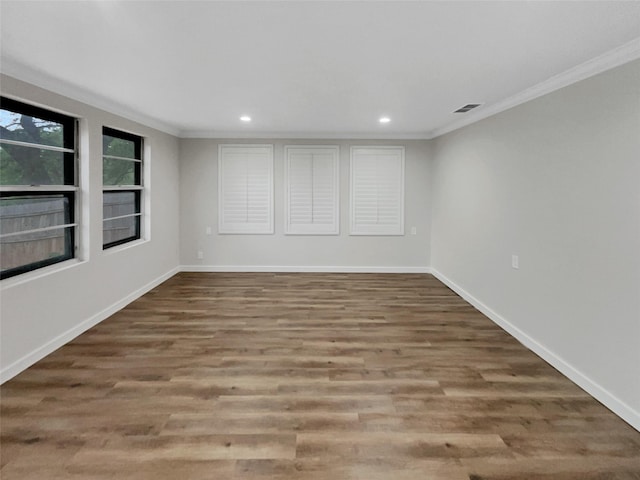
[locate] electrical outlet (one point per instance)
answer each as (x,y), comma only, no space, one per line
(414,230)
(200,254)
(208,231)
(515,261)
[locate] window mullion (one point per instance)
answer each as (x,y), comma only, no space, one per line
(38,146)
(35,230)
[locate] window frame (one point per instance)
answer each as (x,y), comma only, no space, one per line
(138,188)
(68,189)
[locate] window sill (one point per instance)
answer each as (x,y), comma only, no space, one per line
(40,273)
(312,233)
(125,246)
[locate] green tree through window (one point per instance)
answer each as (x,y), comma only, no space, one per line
(20,165)
(116,171)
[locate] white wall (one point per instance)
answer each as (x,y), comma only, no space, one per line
(44,309)
(557,182)
(198,189)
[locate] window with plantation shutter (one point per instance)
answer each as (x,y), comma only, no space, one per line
(377,191)
(311,179)
(245,189)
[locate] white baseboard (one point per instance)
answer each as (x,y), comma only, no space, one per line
(617,406)
(303,269)
(39,353)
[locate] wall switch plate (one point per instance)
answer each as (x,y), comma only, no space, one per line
(208,231)
(200,255)
(515,261)
(413,230)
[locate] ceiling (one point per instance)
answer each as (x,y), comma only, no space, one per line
(309,69)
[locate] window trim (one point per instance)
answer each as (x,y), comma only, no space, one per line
(138,188)
(69,189)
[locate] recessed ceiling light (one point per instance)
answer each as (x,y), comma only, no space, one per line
(245,118)
(384,120)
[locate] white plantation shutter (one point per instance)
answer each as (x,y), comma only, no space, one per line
(312,205)
(245,189)
(377,191)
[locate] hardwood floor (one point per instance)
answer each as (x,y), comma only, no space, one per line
(305,376)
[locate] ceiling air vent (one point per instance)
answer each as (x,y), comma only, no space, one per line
(467,107)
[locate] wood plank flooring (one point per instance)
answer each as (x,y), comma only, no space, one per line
(305,376)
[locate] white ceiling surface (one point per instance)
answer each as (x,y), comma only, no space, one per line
(314,69)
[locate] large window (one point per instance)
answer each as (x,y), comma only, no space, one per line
(311,179)
(377,191)
(245,189)
(122,187)
(38,187)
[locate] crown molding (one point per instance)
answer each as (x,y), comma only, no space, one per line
(40,79)
(618,56)
(304,135)
(611,59)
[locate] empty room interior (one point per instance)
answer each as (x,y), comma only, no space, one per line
(320,240)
